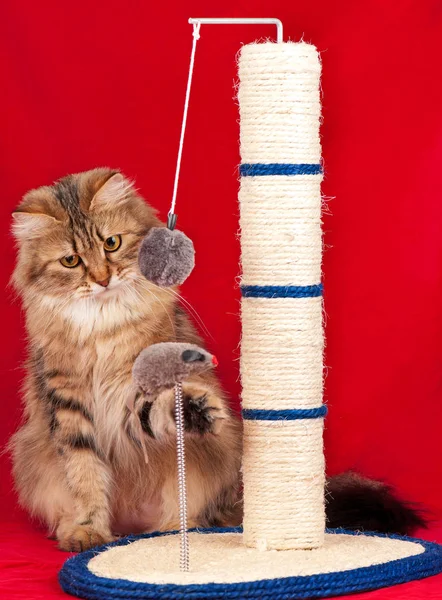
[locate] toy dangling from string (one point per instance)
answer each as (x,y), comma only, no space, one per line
(167,255)
(166,258)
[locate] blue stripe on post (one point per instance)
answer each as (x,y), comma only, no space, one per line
(262,169)
(281,291)
(257,414)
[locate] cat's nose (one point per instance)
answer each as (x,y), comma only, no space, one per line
(104,282)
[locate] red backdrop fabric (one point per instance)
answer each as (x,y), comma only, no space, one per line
(88,84)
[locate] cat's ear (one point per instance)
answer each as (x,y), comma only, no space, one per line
(31,220)
(27,226)
(113,192)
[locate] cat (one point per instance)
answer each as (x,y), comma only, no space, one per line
(77,463)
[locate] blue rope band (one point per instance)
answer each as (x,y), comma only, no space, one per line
(281,291)
(75,578)
(257,414)
(257,169)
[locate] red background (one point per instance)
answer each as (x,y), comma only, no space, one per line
(87,84)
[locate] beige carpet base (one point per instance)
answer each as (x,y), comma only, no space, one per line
(222,558)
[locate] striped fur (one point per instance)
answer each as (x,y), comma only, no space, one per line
(78,464)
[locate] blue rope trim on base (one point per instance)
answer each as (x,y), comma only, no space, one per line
(258,414)
(262,169)
(281,291)
(76,579)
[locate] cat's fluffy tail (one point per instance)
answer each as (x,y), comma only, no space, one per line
(357,503)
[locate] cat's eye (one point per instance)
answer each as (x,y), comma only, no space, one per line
(112,243)
(70,261)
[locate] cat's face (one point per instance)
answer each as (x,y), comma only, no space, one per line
(79,239)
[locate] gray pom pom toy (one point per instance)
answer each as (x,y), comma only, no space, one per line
(166,256)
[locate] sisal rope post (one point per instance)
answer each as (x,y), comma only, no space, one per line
(281,308)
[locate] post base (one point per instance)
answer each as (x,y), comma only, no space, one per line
(147,566)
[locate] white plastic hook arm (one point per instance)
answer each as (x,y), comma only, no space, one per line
(210,21)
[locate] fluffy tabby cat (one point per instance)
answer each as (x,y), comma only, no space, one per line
(89,312)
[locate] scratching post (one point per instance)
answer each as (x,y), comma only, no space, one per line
(281,309)
(283,551)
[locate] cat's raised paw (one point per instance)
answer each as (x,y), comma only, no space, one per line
(83,538)
(203,414)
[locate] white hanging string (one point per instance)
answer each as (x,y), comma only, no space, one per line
(196,37)
(179,416)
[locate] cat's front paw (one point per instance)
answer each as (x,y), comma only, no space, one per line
(81,538)
(203,414)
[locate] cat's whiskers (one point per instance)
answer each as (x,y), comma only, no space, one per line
(121,274)
(147,286)
(167,312)
(131,292)
(139,297)
(189,306)
(129,298)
